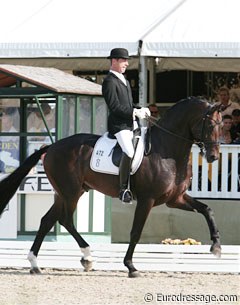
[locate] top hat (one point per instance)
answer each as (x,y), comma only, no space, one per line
(119,53)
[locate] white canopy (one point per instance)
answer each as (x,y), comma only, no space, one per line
(77,34)
(75,28)
(197,28)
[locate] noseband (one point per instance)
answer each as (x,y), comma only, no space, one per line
(202,144)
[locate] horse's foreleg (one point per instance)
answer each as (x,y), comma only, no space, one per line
(47,222)
(141,213)
(207,212)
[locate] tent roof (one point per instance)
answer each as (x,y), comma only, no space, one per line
(48,78)
(73,34)
(73,28)
(196,28)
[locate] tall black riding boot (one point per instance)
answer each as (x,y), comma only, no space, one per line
(125,194)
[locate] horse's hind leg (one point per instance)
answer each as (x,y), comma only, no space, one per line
(195,205)
(86,260)
(47,222)
(63,214)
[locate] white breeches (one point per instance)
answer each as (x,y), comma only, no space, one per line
(125,140)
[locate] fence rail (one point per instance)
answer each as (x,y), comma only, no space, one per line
(150,257)
(219,179)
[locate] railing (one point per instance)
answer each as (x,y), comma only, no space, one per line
(217,180)
(109,256)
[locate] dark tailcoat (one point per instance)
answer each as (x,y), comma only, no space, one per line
(119,99)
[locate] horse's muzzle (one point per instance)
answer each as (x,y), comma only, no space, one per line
(212,158)
(212,151)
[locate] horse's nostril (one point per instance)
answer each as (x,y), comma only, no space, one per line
(212,158)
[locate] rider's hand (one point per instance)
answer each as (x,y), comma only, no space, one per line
(141,113)
(147,111)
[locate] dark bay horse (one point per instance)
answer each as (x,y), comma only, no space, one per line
(163,177)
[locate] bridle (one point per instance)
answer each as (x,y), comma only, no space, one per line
(201,143)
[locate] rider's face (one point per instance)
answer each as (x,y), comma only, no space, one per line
(119,65)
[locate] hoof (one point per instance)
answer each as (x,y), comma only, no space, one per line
(35,270)
(87,265)
(216,250)
(134,274)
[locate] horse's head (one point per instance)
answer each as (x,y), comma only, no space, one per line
(207,131)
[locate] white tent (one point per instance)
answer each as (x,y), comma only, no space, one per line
(74,34)
(63,30)
(76,28)
(199,35)
(79,28)
(205,28)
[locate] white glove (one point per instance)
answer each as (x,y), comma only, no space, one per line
(141,113)
(147,111)
(138,113)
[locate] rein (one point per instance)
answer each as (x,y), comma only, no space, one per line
(152,120)
(201,144)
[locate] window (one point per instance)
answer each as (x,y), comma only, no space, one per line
(9,139)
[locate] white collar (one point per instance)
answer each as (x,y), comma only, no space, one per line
(120,76)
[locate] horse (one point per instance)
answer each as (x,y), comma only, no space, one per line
(163,177)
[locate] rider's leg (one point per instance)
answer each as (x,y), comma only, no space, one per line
(125,138)
(125,194)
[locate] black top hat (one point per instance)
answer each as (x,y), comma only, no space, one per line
(119,53)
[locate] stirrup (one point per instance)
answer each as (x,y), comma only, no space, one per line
(126,196)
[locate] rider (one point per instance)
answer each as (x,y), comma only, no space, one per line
(118,96)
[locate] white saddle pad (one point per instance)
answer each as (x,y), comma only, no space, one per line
(101,160)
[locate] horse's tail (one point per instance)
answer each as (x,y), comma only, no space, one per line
(10,184)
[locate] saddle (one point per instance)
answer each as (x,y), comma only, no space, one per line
(107,153)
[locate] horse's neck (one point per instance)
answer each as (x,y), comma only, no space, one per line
(173,152)
(170,142)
